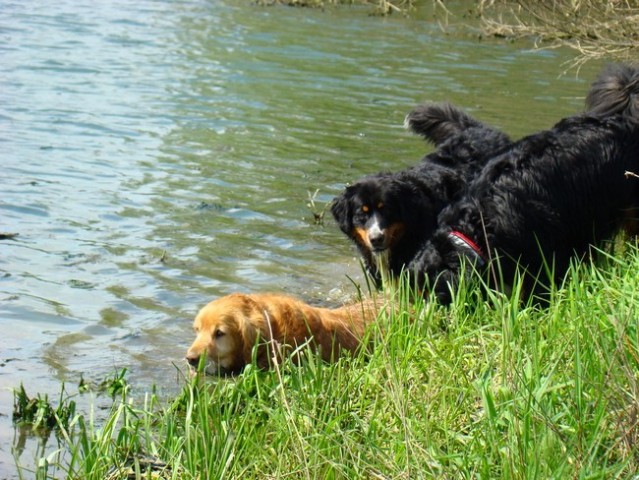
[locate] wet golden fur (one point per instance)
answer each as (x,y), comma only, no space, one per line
(228,329)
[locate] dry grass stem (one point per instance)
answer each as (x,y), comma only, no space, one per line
(595,29)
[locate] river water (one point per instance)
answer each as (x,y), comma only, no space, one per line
(158,154)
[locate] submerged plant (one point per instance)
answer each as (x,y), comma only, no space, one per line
(318,214)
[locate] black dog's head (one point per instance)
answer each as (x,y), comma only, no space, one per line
(385,215)
(370,212)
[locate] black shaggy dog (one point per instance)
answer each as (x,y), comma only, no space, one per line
(390,215)
(545,200)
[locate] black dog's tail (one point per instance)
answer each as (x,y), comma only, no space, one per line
(437,122)
(615,92)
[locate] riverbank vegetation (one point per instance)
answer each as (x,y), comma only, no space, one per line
(380,7)
(595,29)
(487,388)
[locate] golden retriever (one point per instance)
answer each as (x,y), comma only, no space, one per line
(228,328)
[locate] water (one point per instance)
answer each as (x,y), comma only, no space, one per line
(156,155)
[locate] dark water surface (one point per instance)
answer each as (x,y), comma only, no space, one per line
(157,154)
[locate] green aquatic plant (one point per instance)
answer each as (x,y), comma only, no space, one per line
(39,414)
(115,385)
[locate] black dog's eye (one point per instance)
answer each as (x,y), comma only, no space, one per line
(218,333)
(365,208)
(380,205)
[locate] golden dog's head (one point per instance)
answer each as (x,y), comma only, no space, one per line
(227,329)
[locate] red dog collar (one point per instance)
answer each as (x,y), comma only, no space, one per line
(462,241)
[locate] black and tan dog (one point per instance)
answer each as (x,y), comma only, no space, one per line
(545,200)
(389,216)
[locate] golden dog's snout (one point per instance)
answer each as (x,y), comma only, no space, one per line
(193,359)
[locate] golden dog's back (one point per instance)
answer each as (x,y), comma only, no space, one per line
(293,321)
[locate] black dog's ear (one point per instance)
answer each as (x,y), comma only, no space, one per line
(341,210)
(437,122)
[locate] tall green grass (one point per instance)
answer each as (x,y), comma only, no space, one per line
(487,388)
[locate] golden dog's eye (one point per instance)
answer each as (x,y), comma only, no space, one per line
(218,333)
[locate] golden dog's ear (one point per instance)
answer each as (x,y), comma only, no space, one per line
(248,337)
(253,332)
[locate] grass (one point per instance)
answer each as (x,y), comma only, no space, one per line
(488,388)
